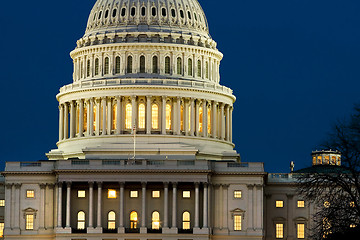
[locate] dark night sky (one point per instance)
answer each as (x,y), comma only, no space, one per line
(293,65)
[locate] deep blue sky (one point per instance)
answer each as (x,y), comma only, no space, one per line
(293,65)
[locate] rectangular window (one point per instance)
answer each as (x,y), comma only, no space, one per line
(237,223)
(1,229)
(186,194)
(2,203)
(29,224)
(111,193)
(300,230)
(81,194)
(155,194)
(300,204)
(134,194)
(280,230)
(30,193)
(237,194)
(279,204)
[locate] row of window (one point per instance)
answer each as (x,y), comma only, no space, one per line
(319,160)
(280,204)
(133,194)
(300,230)
(191,70)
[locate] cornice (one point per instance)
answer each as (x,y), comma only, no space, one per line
(137,171)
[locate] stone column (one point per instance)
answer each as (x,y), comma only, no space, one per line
(166,205)
(250,206)
(290,216)
(227,123)
(192,116)
(222,122)
(163,115)
(68,197)
(72,119)
(205,110)
(61,122)
(109,116)
(91,205)
(66,121)
(121,228)
(81,118)
(178,116)
(118,115)
(214,122)
(59,213)
(97,117)
(205,210)
(197,121)
(186,117)
(17,207)
(42,207)
(230,124)
(197,205)
(225,207)
(174,207)
(8,210)
(148,115)
(99,225)
(221,206)
(143,228)
(88,112)
(103,106)
(91,117)
(134,111)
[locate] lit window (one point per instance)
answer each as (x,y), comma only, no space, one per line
(85,119)
(209,120)
(81,220)
(186,194)
(237,223)
(190,67)
(182,118)
(186,220)
(352,204)
(155,194)
(114,117)
(142,64)
(189,119)
(279,230)
(333,160)
(319,159)
(154,116)
(141,115)
(168,116)
(200,119)
(155,218)
(111,220)
(111,193)
(2,203)
(314,160)
(199,69)
(94,118)
(133,220)
(129,64)
(237,194)
(352,225)
(106,66)
(134,194)
(279,204)
(128,115)
(155,64)
(179,66)
(81,193)
(300,204)
(29,222)
(300,230)
(1,229)
(326,204)
(77,118)
(30,193)
(117,65)
(167,65)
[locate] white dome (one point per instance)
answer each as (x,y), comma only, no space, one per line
(147,16)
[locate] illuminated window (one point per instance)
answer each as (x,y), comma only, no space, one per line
(186,194)
(314,160)
(237,223)
(30,193)
(77,118)
(1,229)
(88,68)
(81,220)
(200,119)
(106,66)
(168,116)
(117,65)
(300,204)
(155,194)
(133,220)
(190,67)
(96,66)
(94,118)
(141,115)
(339,161)
(155,116)
(179,66)
(189,119)
(209,120)
(111,193)
(333,160)
(155,64)
(155,220)
(207,70)
(186,220)
(134,194)
(129,64)
(352,225)
(237,194)
(319,159)
(111,220)
(182,118)
(128,116)
(352,204)
(199,68)
(114,116)
(279,230)
(142,64)
(167,65)
(81,194)
(327,160)
(300,230)
(85,119)
(2,203)
(279,204)
(326,204)
(29,222)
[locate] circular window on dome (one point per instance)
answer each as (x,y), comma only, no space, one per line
(153,11)
(114,13)
(182,14)
(123,12)
(100,14)
(106,13)
(133,11)
(143,11)
(163,12)
(173,14)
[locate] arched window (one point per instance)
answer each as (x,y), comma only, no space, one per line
(209,120)
(88,68)
(106,66)
(186,220)
(111,220)
(142,64)
(190,67)
(182,118)
(117,65)
(200,119)
(167,65)
(207,70)
(94,117)
(96,66)
(143,11)
(133,11)
(199,68)
(155,116)
(179,66)
(114,116)
(114,13)
(155,64)
(129,64)
(81,220)
(141,115)
(133,220)
(155,219)
(168,116)
(153,11)
(77,118)
(128,116)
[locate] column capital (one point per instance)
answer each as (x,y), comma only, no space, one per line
(61,107)
(163,97)
(42,185)
(174,184)
(8,185)
(133,97)
(250,186)
(148,97)
(166,184)
(118,98)
(60,184)
(205,184)
(17,185)
(143,184)
(50,185)
(99,184)
(68,184)
(122,184)
(197,184)
(91,184)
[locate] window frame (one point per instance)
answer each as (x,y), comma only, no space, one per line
(185,196)
(279,204)
(82,191)
(28,191)
(235,192)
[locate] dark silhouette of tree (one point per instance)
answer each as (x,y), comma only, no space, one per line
(335,190)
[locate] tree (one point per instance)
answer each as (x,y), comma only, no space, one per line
(335,190)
